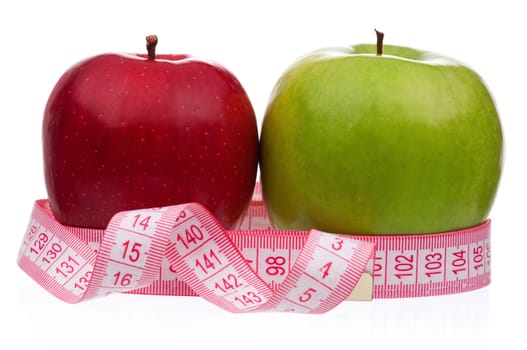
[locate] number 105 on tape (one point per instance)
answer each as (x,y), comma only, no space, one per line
(182,250)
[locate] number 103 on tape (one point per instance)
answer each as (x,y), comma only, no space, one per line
(182,250)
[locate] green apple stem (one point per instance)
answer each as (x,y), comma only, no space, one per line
(151,42)
(380,38)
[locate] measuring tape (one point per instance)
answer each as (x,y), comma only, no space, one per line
(183,250)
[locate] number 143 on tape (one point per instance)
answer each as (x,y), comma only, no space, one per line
(246,270)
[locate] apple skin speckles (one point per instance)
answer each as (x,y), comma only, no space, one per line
(122,132)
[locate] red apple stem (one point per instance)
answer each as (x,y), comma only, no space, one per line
(380,38)
(151,42)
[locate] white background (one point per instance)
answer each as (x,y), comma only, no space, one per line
(256,41)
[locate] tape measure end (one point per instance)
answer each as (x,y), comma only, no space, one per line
(363,291)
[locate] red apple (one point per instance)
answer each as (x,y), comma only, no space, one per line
(125,131)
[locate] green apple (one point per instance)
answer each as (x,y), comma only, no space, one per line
(375,139)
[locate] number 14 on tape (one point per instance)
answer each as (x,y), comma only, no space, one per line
(202,255)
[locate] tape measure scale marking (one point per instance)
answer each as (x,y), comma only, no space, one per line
(405,265)
(412,266)
(203,258)
(133,250)
(62,259)
(60,262)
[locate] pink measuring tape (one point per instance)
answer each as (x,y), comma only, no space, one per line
(182,250)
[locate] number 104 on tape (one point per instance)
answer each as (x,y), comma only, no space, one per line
(182,250)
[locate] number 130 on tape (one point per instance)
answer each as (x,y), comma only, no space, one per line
(182,250)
